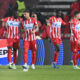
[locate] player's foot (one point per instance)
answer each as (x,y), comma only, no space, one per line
(13,67)
(54,66)
(33,66)
(76,67)
(25,68)
(10,66)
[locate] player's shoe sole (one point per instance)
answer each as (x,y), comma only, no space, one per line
(33,67)
(76,67)
(54,66)
(25,68)
(13,67)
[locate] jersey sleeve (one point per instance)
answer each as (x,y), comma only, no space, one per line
(50,21)
(63,23)
(5,19)
(73,29)
(35,22)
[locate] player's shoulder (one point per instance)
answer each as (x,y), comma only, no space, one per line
(32,18)
(38,21)
(60,19)
(52,17)
(73,21)
(20,19)
(7,18)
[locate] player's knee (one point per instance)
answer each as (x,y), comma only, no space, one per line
(25,51)
(57,48)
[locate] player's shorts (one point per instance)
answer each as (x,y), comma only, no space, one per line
(74,46)
(13,43)
(56,41)
(30,45)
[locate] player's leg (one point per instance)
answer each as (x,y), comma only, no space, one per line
(15,48)
(10,44)
(56,52)
(34,48)
(78,55)
(26,47)
(9,56)
(74,48)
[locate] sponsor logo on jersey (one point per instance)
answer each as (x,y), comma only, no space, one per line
(28,26)
(56,24)
(13,23)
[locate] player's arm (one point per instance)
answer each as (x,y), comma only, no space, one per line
(36,29)
(21,29)
(49,22)
(4,20)
(74,31)
(63,23)
(3,23)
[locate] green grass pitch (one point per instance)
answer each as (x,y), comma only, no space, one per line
(40,73)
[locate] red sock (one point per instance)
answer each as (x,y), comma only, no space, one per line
(74,59)
(25,55)
(14,57)
(55,56)
(78,56)
(9,55)
(33,57)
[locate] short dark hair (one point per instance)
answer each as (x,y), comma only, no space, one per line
(76,13)
(27,10)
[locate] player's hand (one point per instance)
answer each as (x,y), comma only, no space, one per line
(38,37)
(78,42)
(33,32)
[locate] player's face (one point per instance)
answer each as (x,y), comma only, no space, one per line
(34,16)
(78,16)
(26,15)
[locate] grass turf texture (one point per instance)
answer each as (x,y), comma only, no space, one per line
(40,73)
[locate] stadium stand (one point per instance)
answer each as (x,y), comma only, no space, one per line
(46,7)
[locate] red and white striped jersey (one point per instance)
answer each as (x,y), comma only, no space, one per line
(75,29)
(12,27)
(56,26)
(29,26)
